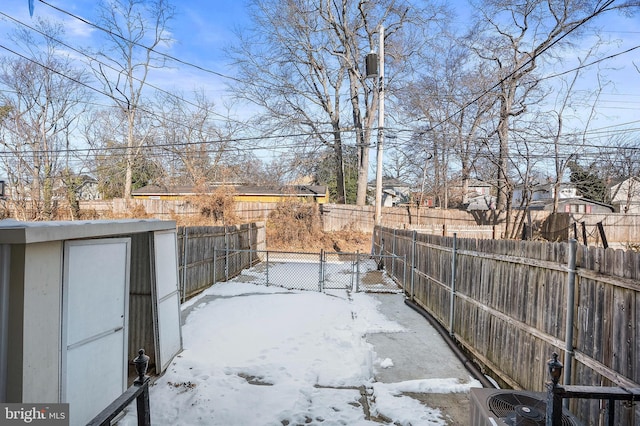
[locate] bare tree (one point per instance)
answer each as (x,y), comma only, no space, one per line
(135,28)
(43,99)
(449,127)
(619,164)
(515,37)
(303,64)
(106,133)
(195,140)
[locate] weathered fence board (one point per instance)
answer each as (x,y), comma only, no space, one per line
(510,308)
(335,217)
(205,250)
(621,230)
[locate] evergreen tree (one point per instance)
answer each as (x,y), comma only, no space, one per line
(587,181)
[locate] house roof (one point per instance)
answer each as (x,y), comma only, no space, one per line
(618,182)
(390,182)
(472,183)
(482,202)
(541,204)
(545,186)
(182,190)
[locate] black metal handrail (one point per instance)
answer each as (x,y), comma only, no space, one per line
(556,393)
(138,391)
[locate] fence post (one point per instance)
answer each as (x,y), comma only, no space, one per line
(571,283)
(321,272)
(226,254)
(603,236)
(393,252)
(357,271)
(453,282)
(404,273)
(554,399)
(267,270)
(185,240)
(413,262)
(142,405)
(213,281)
(249,233)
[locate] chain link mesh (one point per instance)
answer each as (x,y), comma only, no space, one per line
(317,271)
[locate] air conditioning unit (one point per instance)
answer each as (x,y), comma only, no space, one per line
(501,407)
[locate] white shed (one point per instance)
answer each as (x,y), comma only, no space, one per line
(77,301)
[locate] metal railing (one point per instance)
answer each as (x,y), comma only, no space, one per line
(138,391)
(556,393)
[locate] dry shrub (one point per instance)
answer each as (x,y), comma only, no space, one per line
(89,214)
(350,241)
(219,205)
(137,211)
(633,247)
(294,224)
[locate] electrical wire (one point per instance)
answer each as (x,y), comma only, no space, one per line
(111,33)
(93,59)
(285,136)
(524,65)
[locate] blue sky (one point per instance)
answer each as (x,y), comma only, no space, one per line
(202,29)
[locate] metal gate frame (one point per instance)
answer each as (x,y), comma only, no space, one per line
(364,272)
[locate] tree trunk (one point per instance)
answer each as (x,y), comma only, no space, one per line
(337,147)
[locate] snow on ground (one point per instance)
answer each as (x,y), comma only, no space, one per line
(257,355)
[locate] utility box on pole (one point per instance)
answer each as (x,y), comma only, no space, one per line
(371,65)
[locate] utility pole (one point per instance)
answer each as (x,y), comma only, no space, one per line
(378,208)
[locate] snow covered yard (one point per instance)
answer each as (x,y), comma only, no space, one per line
(257,355)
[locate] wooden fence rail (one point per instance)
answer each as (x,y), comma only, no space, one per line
(511,303)
(208,254)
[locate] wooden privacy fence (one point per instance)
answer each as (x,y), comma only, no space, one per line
(468,231)
(334,217)
(615,229)
(337,217)
(512,303)
(208,254)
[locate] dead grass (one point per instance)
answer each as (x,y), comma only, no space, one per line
(136,211)
(217,206)
(292,226)
(297,226)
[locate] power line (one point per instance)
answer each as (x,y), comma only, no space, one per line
(525,64)
(262,137)
(111,33)
(81,83)
(91,58)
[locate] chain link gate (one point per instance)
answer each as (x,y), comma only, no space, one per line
(311,271)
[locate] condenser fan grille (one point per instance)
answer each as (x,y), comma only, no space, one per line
(504,405)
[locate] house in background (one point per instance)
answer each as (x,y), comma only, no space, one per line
(625,195)
(542,192)
(542,198)
(86,188)
(572,205)
(242,193)
(481,202)
(476,195)
(394,192)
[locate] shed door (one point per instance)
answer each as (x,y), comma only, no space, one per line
(95,315)
(166,298)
